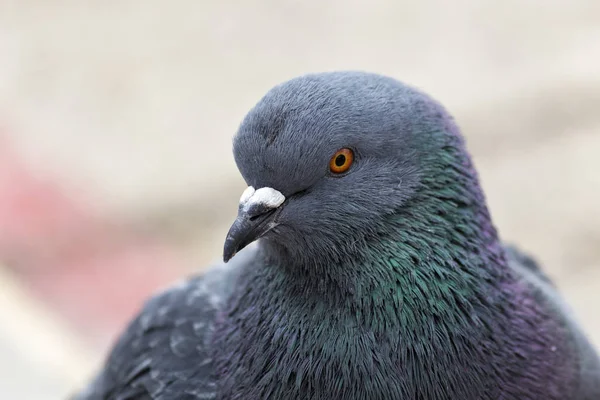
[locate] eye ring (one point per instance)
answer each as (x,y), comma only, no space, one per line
(341,161)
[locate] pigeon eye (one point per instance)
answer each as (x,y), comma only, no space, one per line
(341,161)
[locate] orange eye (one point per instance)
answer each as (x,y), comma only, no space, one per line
(341,161)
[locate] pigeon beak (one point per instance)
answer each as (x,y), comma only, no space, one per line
(256,216)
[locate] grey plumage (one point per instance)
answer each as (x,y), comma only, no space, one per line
(165,351)
(589,362)
(386,281)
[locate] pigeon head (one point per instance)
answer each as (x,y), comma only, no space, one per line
(329,157)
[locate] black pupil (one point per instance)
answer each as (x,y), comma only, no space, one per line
(340,160)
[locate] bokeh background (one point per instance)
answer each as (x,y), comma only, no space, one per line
(116,118)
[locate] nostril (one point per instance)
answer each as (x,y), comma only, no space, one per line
(260,213)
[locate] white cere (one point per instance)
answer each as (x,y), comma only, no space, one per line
(246,195)
(266,196)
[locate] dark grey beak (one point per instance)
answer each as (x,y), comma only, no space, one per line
(256,216)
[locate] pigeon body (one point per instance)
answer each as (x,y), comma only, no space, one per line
(378,274)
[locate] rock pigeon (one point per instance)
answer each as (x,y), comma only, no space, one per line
(378,273)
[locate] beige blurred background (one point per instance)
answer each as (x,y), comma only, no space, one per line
(116,120)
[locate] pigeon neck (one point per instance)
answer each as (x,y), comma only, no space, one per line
(444,230)
(422,248)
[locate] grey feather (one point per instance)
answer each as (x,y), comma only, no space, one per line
(588,386)
(386,281)
(165,352)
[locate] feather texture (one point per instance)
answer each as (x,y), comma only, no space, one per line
(387,282)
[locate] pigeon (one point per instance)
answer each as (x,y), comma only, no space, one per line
(363,264)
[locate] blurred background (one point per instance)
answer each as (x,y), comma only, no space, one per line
(116,118)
